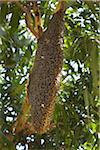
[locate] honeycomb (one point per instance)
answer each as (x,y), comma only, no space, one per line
(44,78)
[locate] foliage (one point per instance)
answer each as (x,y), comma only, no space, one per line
(76,115)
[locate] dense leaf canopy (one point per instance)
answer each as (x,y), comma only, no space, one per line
(76,115)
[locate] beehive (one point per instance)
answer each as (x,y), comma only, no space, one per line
(44,77)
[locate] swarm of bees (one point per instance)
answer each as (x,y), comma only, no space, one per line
(44,78)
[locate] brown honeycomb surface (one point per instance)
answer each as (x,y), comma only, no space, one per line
(44,76)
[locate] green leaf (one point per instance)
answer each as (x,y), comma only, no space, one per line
(94,67)
(3,12)
(91,6)
(5,144)
(2,32)
(16,14)
(86,100)
(10,63)
(16,91)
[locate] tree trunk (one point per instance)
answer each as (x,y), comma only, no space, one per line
(45,74)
